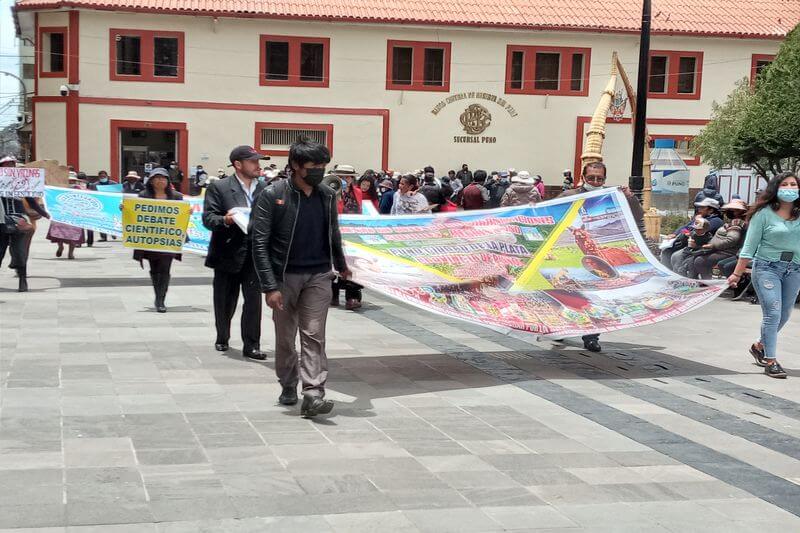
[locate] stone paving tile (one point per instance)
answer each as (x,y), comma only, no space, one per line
(439,426)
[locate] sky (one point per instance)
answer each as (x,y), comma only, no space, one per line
(9,62)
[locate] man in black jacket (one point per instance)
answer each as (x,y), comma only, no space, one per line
(296,241)
(229,252)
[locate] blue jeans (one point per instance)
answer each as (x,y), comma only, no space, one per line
(777,284)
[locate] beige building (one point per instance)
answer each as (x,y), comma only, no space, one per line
(121,85)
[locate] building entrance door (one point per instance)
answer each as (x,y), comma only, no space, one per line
(144,149)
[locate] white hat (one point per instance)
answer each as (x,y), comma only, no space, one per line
(344,170)
(132,174)
(707,202)
(523,177)
(8,159)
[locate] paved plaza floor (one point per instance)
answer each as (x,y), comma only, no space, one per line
(117,419)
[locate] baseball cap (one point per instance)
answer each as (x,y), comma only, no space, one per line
(707,202)
(244,152)
(159,171)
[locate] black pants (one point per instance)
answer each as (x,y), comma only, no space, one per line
(17,243)
(702,266)
(352,291)
(226,295)
(160,265)
(89,237)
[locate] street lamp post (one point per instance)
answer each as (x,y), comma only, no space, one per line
(636,180)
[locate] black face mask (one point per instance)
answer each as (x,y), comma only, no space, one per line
(314,176)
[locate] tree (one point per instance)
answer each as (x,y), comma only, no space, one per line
(759,126)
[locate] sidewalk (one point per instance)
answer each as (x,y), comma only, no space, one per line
(116,419)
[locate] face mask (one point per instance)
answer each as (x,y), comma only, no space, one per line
(172,166)
(314,176)
(104,180)
(788,195)
(589,187)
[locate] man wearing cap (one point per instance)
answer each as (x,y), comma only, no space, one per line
(230,254)
(431,191)
(296,246)
(132,184)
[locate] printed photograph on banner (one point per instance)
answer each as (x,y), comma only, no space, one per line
(158,225)
(566,267)
(22,182)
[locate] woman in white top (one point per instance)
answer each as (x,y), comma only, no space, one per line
(407,201)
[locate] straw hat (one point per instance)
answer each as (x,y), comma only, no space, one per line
(735,204)
(132,174)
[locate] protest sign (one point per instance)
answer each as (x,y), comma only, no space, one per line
(92,210)
(111,187)
(158,225)
(565,267)
(21,182)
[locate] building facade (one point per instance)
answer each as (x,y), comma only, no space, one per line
(127,88)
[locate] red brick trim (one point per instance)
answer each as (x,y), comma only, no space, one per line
(328,128)
(145,55)
(294,61)
(673,64)
(183,143)
(418,65)
(565,70)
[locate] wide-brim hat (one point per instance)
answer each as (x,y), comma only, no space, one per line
(735,204)
(132,174)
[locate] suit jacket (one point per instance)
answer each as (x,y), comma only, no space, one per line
(230,246)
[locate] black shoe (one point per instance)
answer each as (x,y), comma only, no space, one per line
(256,354)
(314,405)
(288,396)
(758,355)
(23,285)
(593,345)
(774,370)
(221,346)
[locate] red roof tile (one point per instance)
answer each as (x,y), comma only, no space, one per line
(735,18)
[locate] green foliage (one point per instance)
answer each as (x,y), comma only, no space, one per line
(671,222)
(759,126)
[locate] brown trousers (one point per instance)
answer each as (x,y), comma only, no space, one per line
(306,298)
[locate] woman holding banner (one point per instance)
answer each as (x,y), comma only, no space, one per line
(158,187)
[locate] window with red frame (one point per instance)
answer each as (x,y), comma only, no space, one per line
(547,70)
(53,52)
(144,55)
(418,66)
(675,74)
(294,61)
(759,63)
(682,147)
(274,138)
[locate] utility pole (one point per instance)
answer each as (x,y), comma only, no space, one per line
(636,180)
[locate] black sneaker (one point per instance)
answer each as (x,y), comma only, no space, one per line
(774,370)
(758,355)
(593,345)
(314,405)
(288,396)
(255,354)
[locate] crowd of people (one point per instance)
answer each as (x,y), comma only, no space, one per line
(300,267)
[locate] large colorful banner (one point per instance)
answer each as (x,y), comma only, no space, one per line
(21,182)
(158,225)
(100,211)
(565,267)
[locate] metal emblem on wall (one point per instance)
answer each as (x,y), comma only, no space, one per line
(476,119)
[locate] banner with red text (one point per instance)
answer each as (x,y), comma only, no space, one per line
(566,267)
